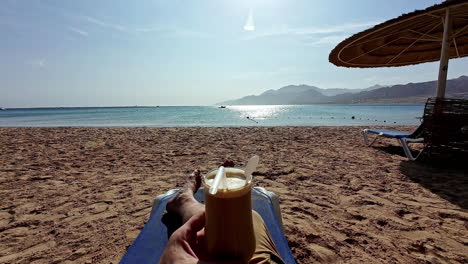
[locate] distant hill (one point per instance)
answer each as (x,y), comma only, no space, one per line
(401,93)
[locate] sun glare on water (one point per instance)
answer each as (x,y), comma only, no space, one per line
(258,112)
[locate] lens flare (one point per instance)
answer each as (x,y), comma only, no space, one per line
(249,24)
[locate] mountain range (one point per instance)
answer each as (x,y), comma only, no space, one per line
(377,94)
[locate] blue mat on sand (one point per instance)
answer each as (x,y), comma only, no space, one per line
(152,240)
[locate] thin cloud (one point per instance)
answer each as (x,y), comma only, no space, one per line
(149,29)
(326,40)
(78,31)
(349,27)
(173,32)
(188,33)
(104,24)
(301,31)
(127,29)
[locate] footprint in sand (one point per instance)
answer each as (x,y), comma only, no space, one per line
(141,211)
(325,255)
(5,218)
(29,251)
(99,207)
(304,211)
(358,217)
(97,211)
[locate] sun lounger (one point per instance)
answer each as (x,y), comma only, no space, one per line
(151,242)
(403,137)
(444,129)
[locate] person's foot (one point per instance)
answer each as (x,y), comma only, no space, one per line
(184,203)
(228,163)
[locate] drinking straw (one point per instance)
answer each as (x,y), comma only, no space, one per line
(221,174)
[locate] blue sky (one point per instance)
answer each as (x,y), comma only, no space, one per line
(181,52)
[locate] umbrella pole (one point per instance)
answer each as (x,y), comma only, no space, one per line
(444,55)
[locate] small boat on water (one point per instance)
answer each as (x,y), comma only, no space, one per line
(223,106)
(2,108)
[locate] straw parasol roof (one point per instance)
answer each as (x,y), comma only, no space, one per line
(412,38)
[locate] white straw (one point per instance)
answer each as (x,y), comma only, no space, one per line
(221,174)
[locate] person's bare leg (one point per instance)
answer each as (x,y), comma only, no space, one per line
(184,203)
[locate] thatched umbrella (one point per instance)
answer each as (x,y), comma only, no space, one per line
(439,32)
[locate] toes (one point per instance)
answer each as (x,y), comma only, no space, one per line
(196,173)
(228,163)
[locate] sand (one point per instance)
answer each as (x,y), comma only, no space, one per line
(81,195)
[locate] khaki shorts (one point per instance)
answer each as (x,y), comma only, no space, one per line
(265,249)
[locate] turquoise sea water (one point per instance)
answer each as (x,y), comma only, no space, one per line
(212,116)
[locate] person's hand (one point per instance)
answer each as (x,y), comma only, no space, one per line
(184,242)
(186,245)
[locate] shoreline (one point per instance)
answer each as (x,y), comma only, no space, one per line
(82,194)
(208,127)
(215,105)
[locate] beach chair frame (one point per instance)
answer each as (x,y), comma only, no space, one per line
(404,143)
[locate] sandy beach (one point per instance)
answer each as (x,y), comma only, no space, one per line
(81,195)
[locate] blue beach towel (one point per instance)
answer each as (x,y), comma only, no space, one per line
(151,242)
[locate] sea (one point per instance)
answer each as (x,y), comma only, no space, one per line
(214,116)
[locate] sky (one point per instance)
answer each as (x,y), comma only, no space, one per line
(67,53)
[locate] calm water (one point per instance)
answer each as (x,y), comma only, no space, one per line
(212,116)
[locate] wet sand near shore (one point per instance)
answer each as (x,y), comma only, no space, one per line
(81,195)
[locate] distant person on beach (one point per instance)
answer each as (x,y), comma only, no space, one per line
(186,244)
